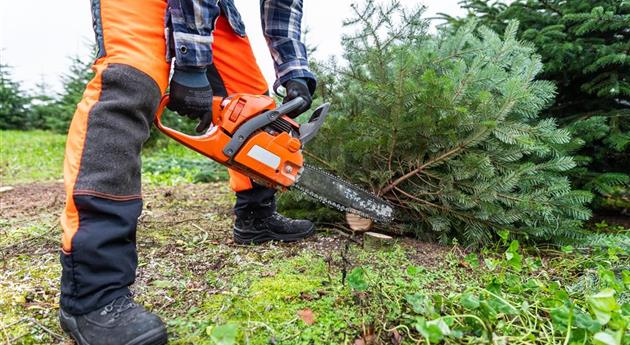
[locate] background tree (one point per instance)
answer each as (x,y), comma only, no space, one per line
(60,112)
(585,48)
(447,128)
(13,102)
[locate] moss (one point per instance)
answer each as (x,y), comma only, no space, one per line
(28,288)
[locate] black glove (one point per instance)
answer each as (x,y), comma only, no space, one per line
(191,95)
(298,88)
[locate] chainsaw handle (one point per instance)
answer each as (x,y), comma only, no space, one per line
(175,134)
(291,105)
(257,122)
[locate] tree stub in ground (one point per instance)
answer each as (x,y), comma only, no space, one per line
(374,240)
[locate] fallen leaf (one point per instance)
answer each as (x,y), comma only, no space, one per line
(307,316)
(396,337)
(359,341)
(307,296)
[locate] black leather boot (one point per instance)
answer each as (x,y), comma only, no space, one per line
(251,230)
(121,322)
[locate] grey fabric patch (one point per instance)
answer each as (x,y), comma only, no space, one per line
(97,24)
(118,126)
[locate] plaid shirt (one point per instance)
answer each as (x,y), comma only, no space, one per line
(189,26)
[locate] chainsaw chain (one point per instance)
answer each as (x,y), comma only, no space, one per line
(336,205)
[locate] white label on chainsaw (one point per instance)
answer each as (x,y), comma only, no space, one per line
(264,156)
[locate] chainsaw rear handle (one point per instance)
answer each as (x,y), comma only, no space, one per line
(258,122)
(175,134)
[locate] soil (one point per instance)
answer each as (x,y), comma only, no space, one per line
(27,200)
(180,206)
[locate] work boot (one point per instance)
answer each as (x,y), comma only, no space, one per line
(248,230)
(121,322)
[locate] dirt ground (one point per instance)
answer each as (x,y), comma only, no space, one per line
(185,246)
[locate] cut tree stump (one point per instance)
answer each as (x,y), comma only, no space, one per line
(358,223)
(374,240)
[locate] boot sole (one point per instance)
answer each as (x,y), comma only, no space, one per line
(156,336)
(270,236)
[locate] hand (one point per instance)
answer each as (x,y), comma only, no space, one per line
(191,95)
(298,88)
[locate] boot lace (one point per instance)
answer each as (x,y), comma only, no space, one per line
(119,305)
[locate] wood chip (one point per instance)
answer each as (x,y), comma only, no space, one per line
(5,189)
(358,223)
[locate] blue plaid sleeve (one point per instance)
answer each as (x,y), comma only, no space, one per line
(282,27)
(189,27)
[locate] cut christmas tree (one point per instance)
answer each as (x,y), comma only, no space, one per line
(447,128)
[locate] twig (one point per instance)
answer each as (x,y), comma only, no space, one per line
(319,160)
(169,222)
(36,323)
(51,228)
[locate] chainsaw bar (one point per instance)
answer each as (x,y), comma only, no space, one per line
(342,195)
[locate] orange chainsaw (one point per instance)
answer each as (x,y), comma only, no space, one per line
(251,135)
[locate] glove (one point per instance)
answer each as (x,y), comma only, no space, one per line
(191,95)
(298,88)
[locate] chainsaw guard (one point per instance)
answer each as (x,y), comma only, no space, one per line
(310,129)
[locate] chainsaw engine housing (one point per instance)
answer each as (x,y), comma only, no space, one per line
(250,135)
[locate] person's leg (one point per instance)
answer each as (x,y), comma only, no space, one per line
(235,70)
(102,163)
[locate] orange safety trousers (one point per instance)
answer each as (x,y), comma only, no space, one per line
(111,123)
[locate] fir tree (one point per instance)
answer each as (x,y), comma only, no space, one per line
(74,82)
(447,128)
(13,102)
(585,48)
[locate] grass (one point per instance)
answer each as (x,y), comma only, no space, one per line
(30,156)
(328,290)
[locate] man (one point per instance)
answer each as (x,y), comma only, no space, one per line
(136,42)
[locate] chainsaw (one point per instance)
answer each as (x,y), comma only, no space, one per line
(249,134)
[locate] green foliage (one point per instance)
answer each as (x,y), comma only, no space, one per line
(356,279)
(13,102)
(584,46)
(223,334)
(510,305)
(447,128)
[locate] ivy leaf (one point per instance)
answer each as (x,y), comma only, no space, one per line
(560,317)
(472,260)
(603,304)
(469,301)
(606,338)
(356,279)
(585,321)
(420,304)
(504,234)
(514,258)
(434,331)
(223,334)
